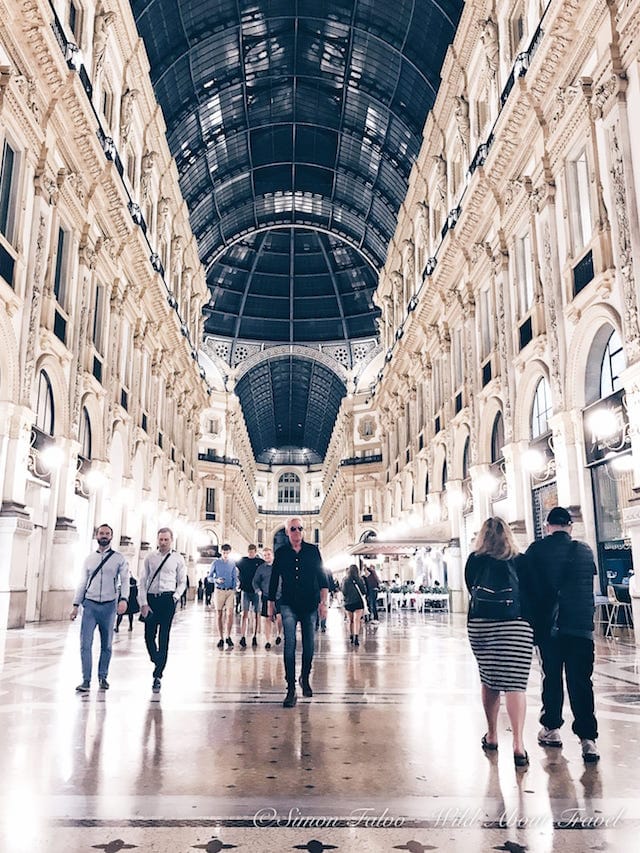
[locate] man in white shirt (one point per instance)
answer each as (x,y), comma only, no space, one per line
(162,582)
(103,589)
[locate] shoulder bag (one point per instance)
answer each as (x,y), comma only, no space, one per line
(365,606)
(142,618)
(109,553)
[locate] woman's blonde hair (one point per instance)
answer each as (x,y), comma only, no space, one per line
(496,539)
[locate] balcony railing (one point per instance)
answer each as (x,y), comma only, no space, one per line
(361,460)
(212,456)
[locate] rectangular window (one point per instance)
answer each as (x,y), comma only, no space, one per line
(107,104)
(524,273)
(144,381)
(125,354)
(7,191)
(210,505)
(458,358)
(99,320)
(74,21)
(60,283)
(437,385)
(486,325)
(579,201)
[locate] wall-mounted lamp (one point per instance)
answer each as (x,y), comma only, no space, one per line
(453,217)
(156,263)
(413,304)
(388,355)
(73,55)
(136,213)
(431,266)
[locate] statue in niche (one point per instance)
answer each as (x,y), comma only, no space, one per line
(422,223)
(409,264)
(146,167)
(101,25)
(126,114)
(463,123)
(441,177)
(491,43)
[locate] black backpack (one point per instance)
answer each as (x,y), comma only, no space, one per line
(495,595)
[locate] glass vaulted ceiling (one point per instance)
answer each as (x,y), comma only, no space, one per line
(303,115)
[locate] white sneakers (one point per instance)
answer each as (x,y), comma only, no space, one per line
(589,751)
(549,737)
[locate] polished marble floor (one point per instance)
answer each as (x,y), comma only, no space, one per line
(386,756)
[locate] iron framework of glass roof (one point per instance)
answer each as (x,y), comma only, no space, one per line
(302,115)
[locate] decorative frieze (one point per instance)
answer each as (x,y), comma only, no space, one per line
(624,260)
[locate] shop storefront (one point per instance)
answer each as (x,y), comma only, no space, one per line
(608,456)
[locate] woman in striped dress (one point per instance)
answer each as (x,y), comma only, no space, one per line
(500,633)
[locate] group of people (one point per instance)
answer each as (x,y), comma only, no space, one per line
(545,598)
(104,593)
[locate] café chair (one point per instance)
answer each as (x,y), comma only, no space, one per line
(614,608)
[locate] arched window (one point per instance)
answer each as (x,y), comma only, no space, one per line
(465,458)
(542,409)
(445,475)
(497,438)
(45,414)
(288,489)
(85,435)
(426,485)
(613,363)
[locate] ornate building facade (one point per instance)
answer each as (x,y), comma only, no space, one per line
(101,290)
(508,373)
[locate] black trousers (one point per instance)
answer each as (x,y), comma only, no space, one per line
(572,657)
(157,627)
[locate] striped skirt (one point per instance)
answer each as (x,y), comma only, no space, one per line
(503,651)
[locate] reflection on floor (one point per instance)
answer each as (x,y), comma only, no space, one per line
(386,756)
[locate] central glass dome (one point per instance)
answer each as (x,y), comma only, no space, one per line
(292,285)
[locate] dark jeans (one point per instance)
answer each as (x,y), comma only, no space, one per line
(290,620)
(158,624)
(574,656)
(372,601)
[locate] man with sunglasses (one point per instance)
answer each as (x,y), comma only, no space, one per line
(304,592)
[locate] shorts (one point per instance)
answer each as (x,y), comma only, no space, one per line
(224,599)
(264,610)
(250,601)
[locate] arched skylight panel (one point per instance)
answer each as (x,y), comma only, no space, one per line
(216,61)
(365,117)
(228,193)
(613,364)
(266,306)
(175,92)
(239,220)
(351,187)
(390,19)
(315,145)
(359,155)
(390,184)
(270,101)
(272,144)
(228,155)
(318,102)
(379,66)
(383,214)
(413,97)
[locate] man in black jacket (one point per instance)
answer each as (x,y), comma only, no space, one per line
(304,591)
(561,572)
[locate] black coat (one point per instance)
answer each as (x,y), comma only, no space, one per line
(132,604)
(562,582)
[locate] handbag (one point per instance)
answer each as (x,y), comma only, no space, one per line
(365,606)
(142,618)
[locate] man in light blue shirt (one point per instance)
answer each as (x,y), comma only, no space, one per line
(103,590)
(224,576)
